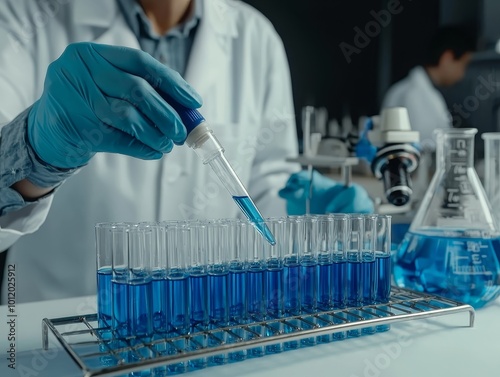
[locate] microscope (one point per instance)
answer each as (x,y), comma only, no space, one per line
(389,146)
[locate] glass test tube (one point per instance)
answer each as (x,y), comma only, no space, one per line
(218,272)
(104,261)
(237,271)
(383,262)
(368,267)
(355,230)
(177,246)
(253,244)
(198,275)
(274,281)
(292,234)
(308,265)
(140,282)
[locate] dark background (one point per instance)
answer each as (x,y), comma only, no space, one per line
(313,30)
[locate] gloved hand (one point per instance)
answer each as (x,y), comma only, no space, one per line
(328,196)
(100,98)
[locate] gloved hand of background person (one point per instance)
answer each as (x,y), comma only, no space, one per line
(328,196)
(100,98)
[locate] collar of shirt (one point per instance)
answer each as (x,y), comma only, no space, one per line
(141,25)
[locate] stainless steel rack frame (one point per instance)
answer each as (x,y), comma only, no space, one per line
(97,354)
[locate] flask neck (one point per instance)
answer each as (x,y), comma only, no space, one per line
(455,149)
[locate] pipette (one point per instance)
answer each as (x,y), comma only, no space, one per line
(203,141)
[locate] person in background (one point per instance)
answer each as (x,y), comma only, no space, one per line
(88,134)
(447,57)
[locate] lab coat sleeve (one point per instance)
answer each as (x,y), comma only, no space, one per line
(277,136)
(18,36)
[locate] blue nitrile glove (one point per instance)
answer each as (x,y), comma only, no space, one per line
(100,98)
(328,196)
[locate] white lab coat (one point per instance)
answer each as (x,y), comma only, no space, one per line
(239,67)
(426,106)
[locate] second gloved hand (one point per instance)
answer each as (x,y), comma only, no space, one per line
(100,98)
(328,196)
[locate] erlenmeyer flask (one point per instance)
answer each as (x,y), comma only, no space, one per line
(452,248)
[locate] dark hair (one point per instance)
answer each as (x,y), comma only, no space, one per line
(455,38)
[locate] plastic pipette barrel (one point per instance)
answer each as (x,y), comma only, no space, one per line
(202,140)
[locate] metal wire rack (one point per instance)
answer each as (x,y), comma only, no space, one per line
(97,353)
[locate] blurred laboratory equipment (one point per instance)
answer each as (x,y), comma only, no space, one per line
(453,244)
(388,144)
(492,170)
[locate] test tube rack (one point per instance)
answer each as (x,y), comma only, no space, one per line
(84,342)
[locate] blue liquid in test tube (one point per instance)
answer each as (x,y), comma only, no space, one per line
(178,302)
(325,288)
(160,299)
(198,281)
(291,288)
(274,288)
(104,298)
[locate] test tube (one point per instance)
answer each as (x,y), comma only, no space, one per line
(120,280)
(323,237)
(368,259)
(237,255)
(383,263)
(140,314)
(177,246)
(369,268)
(237,271)
(253,243)
(198,276)
(274,285)
(308,265)
(218,272)
(293,235)
(198,284)
(104,261)
(355,230)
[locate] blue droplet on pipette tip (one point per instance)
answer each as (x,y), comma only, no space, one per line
(249,209)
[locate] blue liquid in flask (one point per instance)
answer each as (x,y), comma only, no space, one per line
(461,268)
(249,209)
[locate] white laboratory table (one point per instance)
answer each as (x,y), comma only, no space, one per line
(442,347)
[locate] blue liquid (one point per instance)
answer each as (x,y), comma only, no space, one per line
(252,213)
(274,288)
(219,303)
(160,299)
(255,292)
(383,278)
(237,293)
(199,299)
(132,313)
(104,297)
(464,269)
(325,287)
(178,302)
(308,284)
(361,281)
(339,283)
(291,288)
